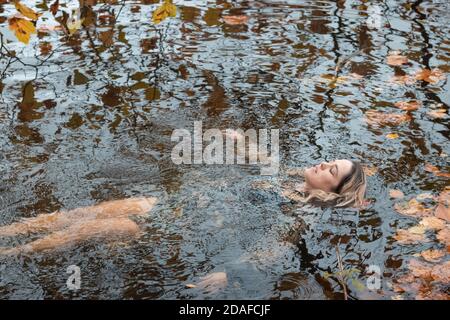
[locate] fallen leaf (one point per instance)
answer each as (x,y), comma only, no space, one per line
(392,135)
(405,79)
(54,7)
(396,194)
(380,118)
(437,114)
(74,24)
(420,269)
(412,208)
(441,272)
(235,20)
(443,236)
(434,294)
(431,76)
(420,229)
(443,208)
(370,171)
(431,168)
(45,47)
(443,212)
(432,223)
(22,28)
(408,105)
(407,237)
(167,9)
(396,60)
(424,196)
(432,255)
(27,12)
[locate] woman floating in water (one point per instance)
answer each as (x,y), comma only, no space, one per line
(341,183)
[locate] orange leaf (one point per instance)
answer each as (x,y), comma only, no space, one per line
(22,28)
(235,20)
(433,223)
(393,193)
(432,255)
(441,272)
(412,208)
(432,76)
(408,106)
(437,114)
(407,237)
(380,118)
(443,236)
(370,171)
(396,60)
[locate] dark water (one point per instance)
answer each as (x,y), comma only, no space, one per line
(93,122)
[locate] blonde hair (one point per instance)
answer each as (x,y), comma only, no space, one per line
(349,193)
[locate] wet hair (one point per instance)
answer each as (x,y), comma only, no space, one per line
(350,191)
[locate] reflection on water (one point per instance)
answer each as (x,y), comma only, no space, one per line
(95,125)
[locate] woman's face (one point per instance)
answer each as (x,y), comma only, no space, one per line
(326,176)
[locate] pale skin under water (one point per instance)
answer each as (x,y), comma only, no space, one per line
(103,221)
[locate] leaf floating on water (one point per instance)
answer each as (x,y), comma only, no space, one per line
(431,168)
(22,28)
(396,60)
(443,236)
(392,136)
(380,118)
(432,255)
(370,171)
(405,79)
(405,237)
(424,196)
(420,229)
(408,237)
(432,223)
(74,24)
(437,114)
(235,20)
(420,269)
(26,11)
(412,208)
(167,9)
(431,76)
(408,105)
(441,272)
(443,208)
(396,194)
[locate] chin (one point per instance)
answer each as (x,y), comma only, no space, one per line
(309,173)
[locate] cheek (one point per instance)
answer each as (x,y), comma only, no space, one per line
(322,181)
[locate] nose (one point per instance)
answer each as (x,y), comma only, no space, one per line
(323,165)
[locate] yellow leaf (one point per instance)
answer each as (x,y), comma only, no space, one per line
(167,9)
(74,25)
(22,28)
(27,12)
(392,136)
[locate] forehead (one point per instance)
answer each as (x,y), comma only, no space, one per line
(344,166)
